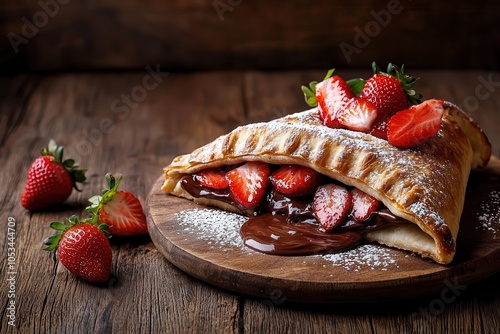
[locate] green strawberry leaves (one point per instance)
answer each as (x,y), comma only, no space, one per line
(52,242)
(310,90)
(97,201)
(57,152)
(406,80)
(358,84)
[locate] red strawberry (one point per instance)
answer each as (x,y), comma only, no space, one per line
(332,95)
(386,93)
(248,183)
(294,180)
(331,205)
(121,210)
(362,204)
(358,115)
(50,179)
(214,178)
(83,249)
(390,91)
(379,127)
(413,126)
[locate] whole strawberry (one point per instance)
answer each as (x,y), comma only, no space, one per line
(120,210)
(389,92)
(83,248)
(50,179)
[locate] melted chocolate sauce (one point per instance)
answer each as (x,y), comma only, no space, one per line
(196,189)
(285,226)
(273,234)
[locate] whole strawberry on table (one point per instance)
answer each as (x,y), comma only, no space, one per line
(83,248)
(51,179)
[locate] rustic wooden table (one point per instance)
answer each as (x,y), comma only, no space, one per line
(134,124)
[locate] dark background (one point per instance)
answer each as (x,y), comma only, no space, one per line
(193,35)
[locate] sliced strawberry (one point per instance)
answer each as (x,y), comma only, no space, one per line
(331,205)
(121,210)
(359,115)
(362,204)
(124,214)
(214,178)
(332,95)
(248,183)
(294,180)
(413,126)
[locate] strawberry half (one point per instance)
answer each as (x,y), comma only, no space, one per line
(295,180)
(332,95)
(362,204)
(358,115)
(248,183)
(413,126)
(121,210)
(214,178)
(331,205)
(50,179)
(83,248)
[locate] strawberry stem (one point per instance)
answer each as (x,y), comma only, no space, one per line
(57,153)
(310,90)
(357,84)
(110,180)
(407,81)
(329,74)
(52,242)
(98,201)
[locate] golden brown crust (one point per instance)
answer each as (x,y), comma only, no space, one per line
(480,144)
(425,185)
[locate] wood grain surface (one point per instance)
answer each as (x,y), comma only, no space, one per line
(148,294)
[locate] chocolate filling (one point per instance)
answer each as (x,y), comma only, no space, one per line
(285,226)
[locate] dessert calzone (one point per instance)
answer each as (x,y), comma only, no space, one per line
(309,187)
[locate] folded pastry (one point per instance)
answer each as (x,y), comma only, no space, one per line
(424,186)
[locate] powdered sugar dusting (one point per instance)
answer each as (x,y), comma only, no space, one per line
(221,229)
(371,257)
(489,216)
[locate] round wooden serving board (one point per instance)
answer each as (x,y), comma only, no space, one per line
(358,277)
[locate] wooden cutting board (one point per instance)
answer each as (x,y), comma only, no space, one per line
(211,251)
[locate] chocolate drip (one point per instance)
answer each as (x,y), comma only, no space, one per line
(285,226)
(273,234)
(195,189)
